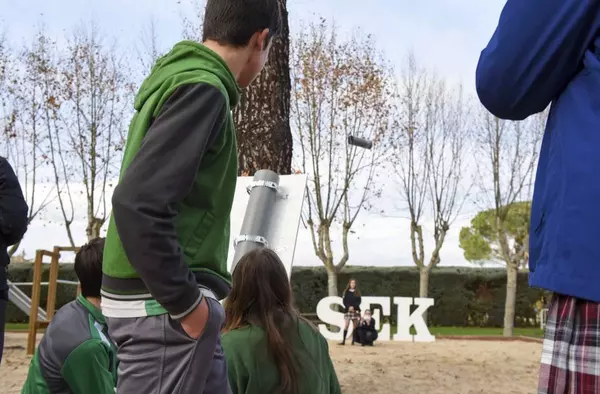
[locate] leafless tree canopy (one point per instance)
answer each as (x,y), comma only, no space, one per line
(65,112)
(23,142)
(339,89)
(429,157)
(509,152)
(192,23)
(95,101)
(148,51)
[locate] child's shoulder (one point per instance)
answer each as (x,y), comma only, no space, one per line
(308,330)
(69,328)
(245,333)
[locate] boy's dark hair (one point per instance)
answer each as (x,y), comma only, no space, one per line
(88,267)
(233,22)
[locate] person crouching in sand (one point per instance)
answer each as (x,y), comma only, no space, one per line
(269,347)
(366,332)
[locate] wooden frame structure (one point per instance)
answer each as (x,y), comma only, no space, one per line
(36,291)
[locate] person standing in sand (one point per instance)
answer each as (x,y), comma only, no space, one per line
(548,52)
(351,299)
(165,260)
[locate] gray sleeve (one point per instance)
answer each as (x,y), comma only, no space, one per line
(162,174)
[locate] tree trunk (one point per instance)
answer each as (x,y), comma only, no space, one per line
(262,116)
(424,282)
(93,228)
(424,286)
(13,249)
(332,282)
(511,297)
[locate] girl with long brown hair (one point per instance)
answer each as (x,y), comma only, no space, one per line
(269,347)
(351,299)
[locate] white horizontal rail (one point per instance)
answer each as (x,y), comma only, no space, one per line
(64,282)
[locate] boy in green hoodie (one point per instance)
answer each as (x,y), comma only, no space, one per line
(165,261)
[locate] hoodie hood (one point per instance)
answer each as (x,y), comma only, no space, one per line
(187,56)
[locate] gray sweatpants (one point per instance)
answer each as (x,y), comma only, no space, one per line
(156,356)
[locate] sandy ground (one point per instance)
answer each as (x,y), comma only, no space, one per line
(444,367)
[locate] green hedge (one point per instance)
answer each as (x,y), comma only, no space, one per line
(463,296)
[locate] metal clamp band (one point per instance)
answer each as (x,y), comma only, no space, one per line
(250,238)
(268,184)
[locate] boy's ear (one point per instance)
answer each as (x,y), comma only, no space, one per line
(263,39)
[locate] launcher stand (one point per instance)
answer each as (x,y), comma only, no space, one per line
(266,212)
(263,194)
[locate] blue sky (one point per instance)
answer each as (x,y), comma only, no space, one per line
(446,35)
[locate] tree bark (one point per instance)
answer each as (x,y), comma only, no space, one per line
(511,297)
(332,282)
(424,282)
(424,285)
(262,116)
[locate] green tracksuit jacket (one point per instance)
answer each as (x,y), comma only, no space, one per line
(75,356)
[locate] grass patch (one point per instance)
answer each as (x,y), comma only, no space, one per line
(20,327)
(483,331)
(16,327)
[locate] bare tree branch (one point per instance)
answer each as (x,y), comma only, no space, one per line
(512,151)
(429,150)
(22,103)
(339,89)
(148,50)
(95,98)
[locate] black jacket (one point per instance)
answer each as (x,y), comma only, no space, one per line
(366,333)
(370,326)
(13,215)
(351,299)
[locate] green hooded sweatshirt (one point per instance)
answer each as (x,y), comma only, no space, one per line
(169,229)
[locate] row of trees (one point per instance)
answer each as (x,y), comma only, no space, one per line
(434,147)
(63,117)
(64,113)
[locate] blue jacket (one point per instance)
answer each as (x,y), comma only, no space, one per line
(542,52)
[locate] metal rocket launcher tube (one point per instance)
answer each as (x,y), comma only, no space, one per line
(255,227)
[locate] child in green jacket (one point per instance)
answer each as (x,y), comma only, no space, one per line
(76,354)
(268,346)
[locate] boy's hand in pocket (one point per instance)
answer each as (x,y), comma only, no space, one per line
(194,322)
